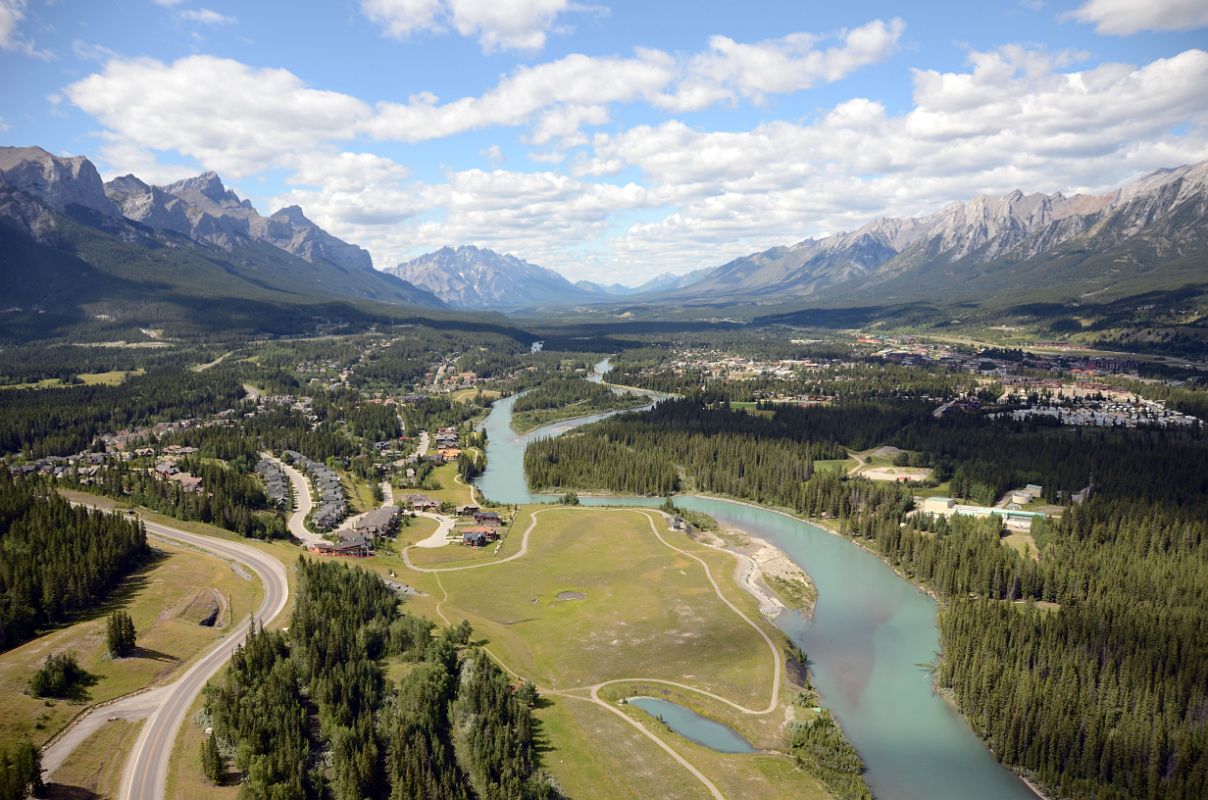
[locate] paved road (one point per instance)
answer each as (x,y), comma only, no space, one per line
(303,503)
(439,537)
(147,767)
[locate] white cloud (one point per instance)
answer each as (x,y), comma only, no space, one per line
(87,51)
(228,116)
(494,154)
(778,66)
(576,90)
(12,12)
(496,24)
(576,80)
(1126,17)
(206,16)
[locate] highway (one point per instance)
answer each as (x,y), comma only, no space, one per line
(146,770)
(147,767)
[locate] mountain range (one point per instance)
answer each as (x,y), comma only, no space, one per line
(125,254)
(1151,233)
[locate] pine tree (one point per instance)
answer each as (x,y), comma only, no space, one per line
(120,634)
(211,760)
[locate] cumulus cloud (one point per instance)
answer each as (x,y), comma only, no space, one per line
(1126,17)
(576,90)
(496,24)
(231,117)
(1015,120)
(576,80)
(1014,117)
(778,66)
(224,112)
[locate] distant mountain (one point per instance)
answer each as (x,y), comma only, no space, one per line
(1150,233)
(127,254)
(473,278)
(470,277)
(605,290)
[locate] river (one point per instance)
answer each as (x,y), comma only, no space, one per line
(869,642)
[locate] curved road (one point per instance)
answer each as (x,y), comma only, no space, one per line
(146,769)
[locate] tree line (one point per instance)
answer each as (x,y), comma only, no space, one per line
(46,422)
(57,560)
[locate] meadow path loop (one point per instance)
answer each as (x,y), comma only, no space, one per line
(594,689)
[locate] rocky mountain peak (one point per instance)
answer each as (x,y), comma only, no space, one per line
(57,181)
(203,187)
(292,214)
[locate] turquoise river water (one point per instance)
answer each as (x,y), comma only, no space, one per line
(869,642)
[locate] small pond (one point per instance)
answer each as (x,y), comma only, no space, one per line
(693,726)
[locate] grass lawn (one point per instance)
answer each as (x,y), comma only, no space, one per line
(185,780)
(1023,542)
(450,490)
(360,492)
(648,611)
(839,466)
(112,378)
(93,771)
(155,598)
(525,421)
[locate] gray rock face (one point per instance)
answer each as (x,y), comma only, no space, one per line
(469,277)
(290,230)
(58,182)
(205,210)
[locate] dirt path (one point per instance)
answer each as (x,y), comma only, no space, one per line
(594,689)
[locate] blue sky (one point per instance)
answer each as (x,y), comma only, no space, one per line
(610,140)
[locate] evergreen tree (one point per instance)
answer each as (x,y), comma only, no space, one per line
(120,634)
(211,760)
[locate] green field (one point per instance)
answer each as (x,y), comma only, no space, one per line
(645,611)
(525,421)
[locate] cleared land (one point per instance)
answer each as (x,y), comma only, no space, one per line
(466,395)
(525,421)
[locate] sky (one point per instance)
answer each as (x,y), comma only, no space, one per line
(607,139)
